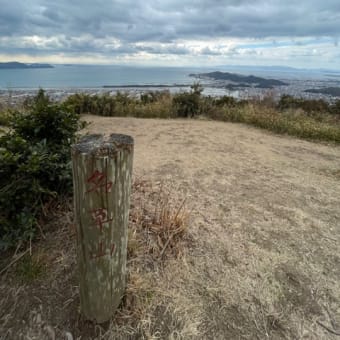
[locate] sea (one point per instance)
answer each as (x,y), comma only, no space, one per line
(92,76)
(69,77)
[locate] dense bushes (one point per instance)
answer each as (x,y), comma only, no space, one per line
(34,166)
(290,122)
(188,104)
(150,105)
(310,119)
(4,117)
(159,104)
(309,106)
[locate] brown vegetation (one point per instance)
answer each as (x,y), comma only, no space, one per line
(307,119)
(39,290)
(259,259)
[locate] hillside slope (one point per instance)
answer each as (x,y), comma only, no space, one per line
(265,220)
(261,260)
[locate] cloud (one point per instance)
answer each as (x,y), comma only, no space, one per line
(209,51)
(155,20)
(162,27)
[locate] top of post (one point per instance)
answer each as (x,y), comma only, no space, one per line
(120,139)
(96,144)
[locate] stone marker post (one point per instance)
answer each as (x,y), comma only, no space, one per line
(102,172)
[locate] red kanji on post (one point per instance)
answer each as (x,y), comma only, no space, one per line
(112,250)
(97,181)
(100,217)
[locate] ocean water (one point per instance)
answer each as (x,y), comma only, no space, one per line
(91,76)
(94,76)
(67,79)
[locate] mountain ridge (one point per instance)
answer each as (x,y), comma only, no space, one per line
(239,78)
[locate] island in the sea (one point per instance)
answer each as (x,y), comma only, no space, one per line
(239,80)
(17,65)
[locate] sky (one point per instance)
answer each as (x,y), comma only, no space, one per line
(303,33)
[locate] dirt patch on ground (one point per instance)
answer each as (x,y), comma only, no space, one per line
(265,237)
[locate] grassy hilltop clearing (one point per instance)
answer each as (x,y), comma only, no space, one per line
(308,119)
(234,220)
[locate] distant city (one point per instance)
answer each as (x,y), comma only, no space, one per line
(246,87)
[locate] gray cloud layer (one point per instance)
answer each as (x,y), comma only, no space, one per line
(123,26)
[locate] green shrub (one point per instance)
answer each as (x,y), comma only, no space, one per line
(149,105)
(226,101)
(150,97)
(120,104)
(308,105)
(34,166)
(157,108)
(5,117)
(187,104)
(5,113)
(292,122)
(78,103)
(335,108)
(312,119)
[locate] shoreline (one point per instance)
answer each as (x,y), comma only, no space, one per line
(13,95)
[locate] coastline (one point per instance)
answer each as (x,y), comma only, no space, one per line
(61,81)
(214,88)
(16,95)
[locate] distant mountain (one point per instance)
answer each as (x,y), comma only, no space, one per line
(332,91)
(275,68)
(238,78)
(17,65)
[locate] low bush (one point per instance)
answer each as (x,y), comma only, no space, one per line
(5,117)
(308,105)
(291,122)
(335,108)
(5,113)
(305,118)
(150,105)
(187,104)
(225,101)
(34,166)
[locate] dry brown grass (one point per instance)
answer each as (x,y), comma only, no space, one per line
(259,261)
(39,291)
(158,224)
